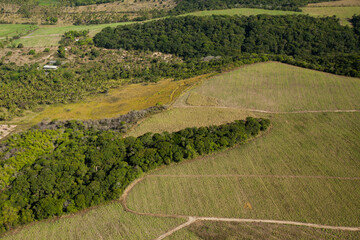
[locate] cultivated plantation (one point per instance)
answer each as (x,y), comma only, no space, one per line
(179,119)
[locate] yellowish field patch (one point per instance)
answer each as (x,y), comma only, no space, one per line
(343,13)
(339,3)
(119,101)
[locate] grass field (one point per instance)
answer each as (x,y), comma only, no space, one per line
(105,222)
(241,11)
(343,13)
(279,87)
(299,145)
(9,30)
(336,3)
(47,36)
(47,2)
(216,230)
(246,182)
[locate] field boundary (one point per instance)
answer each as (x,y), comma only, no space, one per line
(184,105)
(252,176)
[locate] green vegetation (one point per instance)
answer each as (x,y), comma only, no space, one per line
(240,11)
(86,167)
(289,39)
(264,178)
(279,87)
(10,30)
(343,13)
(199,5)
(47,36)
(191,37)
(237,231)
(292,199)
(107,222)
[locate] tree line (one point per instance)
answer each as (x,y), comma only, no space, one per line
(184,6)
(86,166)
(191,37)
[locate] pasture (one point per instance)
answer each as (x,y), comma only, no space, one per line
(219,230)
(343,13)
(47,36)
(104,222)
(298,145)
(10,30)
(282,88)
(340,3)
(241,11)
(305,169)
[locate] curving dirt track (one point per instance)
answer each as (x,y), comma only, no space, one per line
(192,219)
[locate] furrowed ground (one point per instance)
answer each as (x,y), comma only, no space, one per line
(105,222)
(306,169)
(221,230)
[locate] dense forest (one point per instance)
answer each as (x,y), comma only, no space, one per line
(76,167)
(14,160)
(184,6)
(191,36)
(316,43)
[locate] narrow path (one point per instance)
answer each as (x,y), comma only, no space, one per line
(168,233)
(182,105)
(253,176)
(192,219)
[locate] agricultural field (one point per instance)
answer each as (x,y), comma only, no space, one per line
(47,2)
(105,222)
(241,11)
(10,30)
(278,87)
(343,13)
(298,145)
(47,36)
(220,230)
(311,157)
(340,3)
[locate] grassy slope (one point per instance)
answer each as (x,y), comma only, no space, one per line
(216,230)
(280,87)
(47,2)
(343,13)
(9,30)
(336,3)
(241,11)
(51,35)
(323,144)
(309,144)
(106,222)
